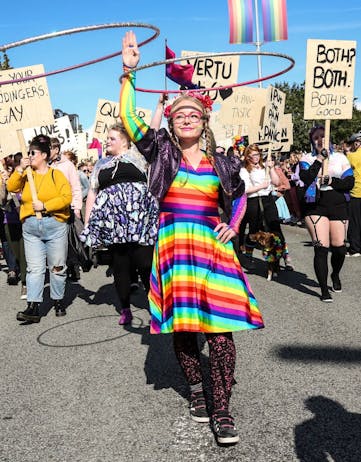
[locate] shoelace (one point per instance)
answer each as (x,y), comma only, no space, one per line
(224,422)
(197,400)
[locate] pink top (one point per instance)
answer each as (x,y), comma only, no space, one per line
(71,174)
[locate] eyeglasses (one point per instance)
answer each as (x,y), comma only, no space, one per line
(193,118)
(32,153)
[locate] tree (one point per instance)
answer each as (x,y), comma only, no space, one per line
(5,62)
(340,129)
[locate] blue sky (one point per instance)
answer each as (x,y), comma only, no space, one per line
(200,26)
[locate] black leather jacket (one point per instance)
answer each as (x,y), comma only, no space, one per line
(164,157)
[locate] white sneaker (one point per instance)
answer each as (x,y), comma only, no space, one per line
(356,254)
(23,293)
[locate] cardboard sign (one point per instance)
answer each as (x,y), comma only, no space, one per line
(92,154)
(107,114)
(329,85)
(61,129)
(273,111)
(244,108)
(82,148)
(224,133)
(22,105)
(212,72)
(281,138)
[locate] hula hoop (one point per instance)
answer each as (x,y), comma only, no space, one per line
(76,30)
(205,55)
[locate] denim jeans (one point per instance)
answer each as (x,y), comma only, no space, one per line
(9,257)
(46,242)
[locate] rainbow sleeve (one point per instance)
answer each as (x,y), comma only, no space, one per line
(134,125)
(239,207)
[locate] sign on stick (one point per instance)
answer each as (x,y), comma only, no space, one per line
(330,74)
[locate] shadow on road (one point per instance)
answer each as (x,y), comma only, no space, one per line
(320,354)
(332,433)
(161,366)
(293,279)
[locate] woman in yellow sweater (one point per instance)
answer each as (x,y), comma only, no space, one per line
(45,228)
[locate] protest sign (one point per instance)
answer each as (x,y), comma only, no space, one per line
(244,108)
(212,72)
(81,141)
(22,105)
(273,112)
(329,85)
(61,129)
(92,154)
(223,133)
(281,139)
(107,114)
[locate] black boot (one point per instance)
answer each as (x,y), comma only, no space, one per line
(30,314)
(321,270)
(59,308)
(337,260)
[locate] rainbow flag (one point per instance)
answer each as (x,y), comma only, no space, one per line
(240,21)
(274,13)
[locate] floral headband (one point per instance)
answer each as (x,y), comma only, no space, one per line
(206,101)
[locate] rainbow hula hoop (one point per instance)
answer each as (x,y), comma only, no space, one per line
(76,30)
(205,55)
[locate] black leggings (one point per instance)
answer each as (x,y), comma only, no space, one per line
(125,258)
(258,219)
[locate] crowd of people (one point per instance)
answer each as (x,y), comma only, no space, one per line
(176,211)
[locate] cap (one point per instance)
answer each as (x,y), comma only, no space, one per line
(354,137)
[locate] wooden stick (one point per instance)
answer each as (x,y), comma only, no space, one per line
(28,170)
(269,157)
(327,146)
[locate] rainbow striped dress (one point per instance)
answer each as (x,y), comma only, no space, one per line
(197,283)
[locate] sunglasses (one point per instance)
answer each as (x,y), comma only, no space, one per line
(32,153)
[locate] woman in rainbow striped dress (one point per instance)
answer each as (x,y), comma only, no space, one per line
(197,283)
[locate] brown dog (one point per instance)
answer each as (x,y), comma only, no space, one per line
(271,246)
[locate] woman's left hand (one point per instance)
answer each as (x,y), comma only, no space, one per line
(130,50)
(269,163)
(225,232)
(38,206)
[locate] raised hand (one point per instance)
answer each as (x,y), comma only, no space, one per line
(130,50)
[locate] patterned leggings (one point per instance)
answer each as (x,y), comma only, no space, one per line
(222,359)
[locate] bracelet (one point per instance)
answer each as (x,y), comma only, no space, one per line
(324,153)
(129,67)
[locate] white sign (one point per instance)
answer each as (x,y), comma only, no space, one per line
(61,129)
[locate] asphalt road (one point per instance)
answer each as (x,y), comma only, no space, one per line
(83,389)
